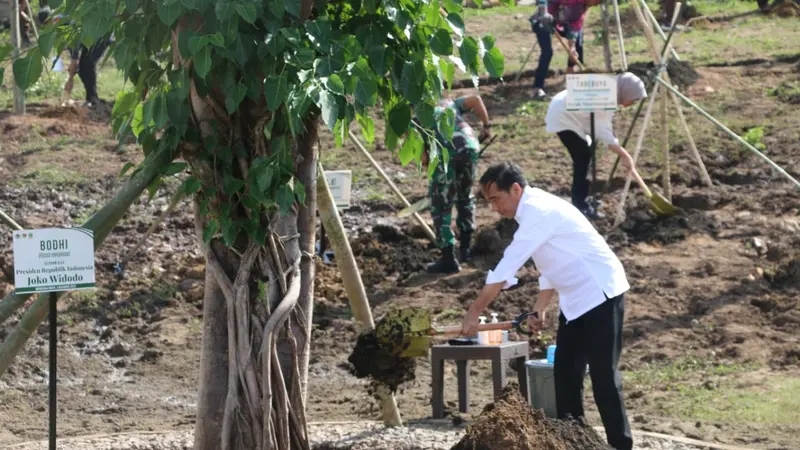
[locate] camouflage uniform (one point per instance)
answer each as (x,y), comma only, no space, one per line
(455,185)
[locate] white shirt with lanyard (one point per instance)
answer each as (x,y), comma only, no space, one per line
(572,257)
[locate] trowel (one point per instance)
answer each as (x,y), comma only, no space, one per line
(407,332)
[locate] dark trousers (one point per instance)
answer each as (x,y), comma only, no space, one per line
(87,68)
(546,46)
(596,338)
(581,154)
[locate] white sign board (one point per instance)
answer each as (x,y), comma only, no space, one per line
(591,92)
(340,181)
(53,260)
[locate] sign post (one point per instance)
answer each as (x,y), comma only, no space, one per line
(53,260)
(591,93)
(340,185)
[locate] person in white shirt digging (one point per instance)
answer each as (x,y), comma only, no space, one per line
(573,128)
(577,263)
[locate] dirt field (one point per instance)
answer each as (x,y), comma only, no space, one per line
(712,334)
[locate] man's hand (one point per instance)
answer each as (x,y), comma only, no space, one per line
(536,322)
(486,133)
(469,326)
(627,161)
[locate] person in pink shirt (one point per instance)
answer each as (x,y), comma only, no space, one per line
(564,17)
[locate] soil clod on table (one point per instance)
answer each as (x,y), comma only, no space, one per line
(370,360)
(511,424)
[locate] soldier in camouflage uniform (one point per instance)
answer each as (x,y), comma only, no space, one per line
(454,185)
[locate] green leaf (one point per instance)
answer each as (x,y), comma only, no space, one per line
(210,230)
(285,199)
(367,127)
(452,6)
(446,123)
(399,118)
(469,54)
(160,112)
(303,58)
(335,85)
(28,69)
(426,115)
(152,189)
(137,123)
(234,97)
(126,168)
(494,62)
(366,91)
(330,109)
(413,80)
(191,185)
(293,8)
(479,3)
(300,191)
(488,41)
(456,23)
(124,103)
(434,162)
(202,62)
(412,147)
(390,138)
(196,43)
(175,168)
(225,9)
(45,42)
(276,91)
(276,7)
(319,30)
(5,50)
(168,12)
(130,5)
(247,11)
(264,178)
(216,39)
(441,42)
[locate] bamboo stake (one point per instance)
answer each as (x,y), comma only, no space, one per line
(728,131)
(397,192)
(656,25)
(639,142)
(665,148)
(353,285)
(620,37)
(695,152)
(606,36)
(525,62)
(9,221)
(19,95)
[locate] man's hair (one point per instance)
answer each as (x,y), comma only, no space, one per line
(503,175)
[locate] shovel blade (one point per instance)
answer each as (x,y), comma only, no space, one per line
(661,206)
(419,206)
(415,347)
(404,329)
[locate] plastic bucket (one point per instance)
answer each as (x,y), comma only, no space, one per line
(541,386)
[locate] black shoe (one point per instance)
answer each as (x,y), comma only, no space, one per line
(464,248)
(447,264)
(592,213)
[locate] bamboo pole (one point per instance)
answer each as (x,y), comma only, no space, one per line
(620,37)
(692,145)
(397,192)
(667,183)
(9,221)
(606,36)
(353,285)
(639,142)
(728,131)
(19,95)
(525,62)
(102,222)
(655,24)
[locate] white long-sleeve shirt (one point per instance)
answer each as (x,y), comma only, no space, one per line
(569,253)
(558,119)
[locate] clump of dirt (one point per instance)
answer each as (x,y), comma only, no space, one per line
(787,275)
(641,226)
(371,360)
(490,243)
(680,72)
(69,113)
(387,252)
(787,92)
(511,424)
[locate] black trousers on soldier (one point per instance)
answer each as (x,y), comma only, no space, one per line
(581,155)
(596,338)
(87,68)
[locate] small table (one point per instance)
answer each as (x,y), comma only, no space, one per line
(462,354)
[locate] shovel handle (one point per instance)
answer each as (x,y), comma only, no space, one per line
(519,324)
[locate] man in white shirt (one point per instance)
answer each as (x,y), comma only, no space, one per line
(575,261)
(574,127)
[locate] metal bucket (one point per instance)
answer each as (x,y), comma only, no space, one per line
(541,386)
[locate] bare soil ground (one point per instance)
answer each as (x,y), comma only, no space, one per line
(712,333)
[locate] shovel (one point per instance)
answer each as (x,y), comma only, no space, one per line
(407,332)
(425,203)
(658,203)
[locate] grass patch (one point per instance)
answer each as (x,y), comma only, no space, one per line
(48,176)
(700,390)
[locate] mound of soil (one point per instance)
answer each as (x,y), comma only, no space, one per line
(787,275)
(370,360)
(387,252)
(511,424)
(642,226)
(680,72)
(788,92)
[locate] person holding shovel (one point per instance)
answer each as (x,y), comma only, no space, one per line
(454,185)
(576,263)
(564,17)
(573,129)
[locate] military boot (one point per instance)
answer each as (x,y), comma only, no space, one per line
(465,247)
(447,264)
